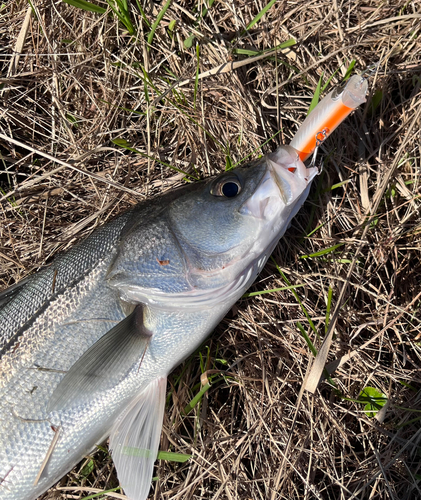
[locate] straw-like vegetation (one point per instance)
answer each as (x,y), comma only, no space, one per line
(121,97)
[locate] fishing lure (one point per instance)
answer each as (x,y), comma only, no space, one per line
(328,114)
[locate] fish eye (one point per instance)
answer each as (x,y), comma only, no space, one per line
(227,187)
(230,189)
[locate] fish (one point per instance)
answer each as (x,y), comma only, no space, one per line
(87,343)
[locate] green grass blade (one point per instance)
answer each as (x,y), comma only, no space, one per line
(329,305)
(88,468)
(206,8)
(120,9)
(316,96)
(307,339)
(173,457)
(196,399)
(314,230)
(260,15)
(284,45)
(409,386)
(336,186)
(142,13)
(204,361)
(88,6)
(349,70)
(228,161)
(253,52)
(188,42)
(171,27)
(322,252)
(157,21)
(196,81)
(262,292)
(102,493)
(375,101)
(329,80)
(246,52)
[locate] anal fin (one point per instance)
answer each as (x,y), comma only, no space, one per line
(135,437)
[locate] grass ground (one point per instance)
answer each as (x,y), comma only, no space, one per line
(193,92)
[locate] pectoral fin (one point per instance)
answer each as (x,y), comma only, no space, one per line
(104,364)
(134,440)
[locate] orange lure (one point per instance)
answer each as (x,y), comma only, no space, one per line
(328,114)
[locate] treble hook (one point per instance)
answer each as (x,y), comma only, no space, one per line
(320,137)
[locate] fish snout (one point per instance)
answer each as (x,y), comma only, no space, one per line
(282,185)
(290,173)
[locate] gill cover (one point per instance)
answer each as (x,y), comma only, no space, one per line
(176,255)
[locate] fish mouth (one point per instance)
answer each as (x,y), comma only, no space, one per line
(284,182)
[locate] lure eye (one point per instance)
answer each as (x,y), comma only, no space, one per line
(227,187)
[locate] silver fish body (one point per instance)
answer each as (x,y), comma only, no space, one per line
(87,343)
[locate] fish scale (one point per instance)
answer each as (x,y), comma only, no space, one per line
(68,268)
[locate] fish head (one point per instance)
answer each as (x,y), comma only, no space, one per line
(217,235)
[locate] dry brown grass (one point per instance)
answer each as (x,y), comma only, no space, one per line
(251,437)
